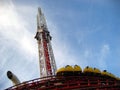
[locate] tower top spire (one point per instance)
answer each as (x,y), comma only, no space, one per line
(39,10)
(41,21)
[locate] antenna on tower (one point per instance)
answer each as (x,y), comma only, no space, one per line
(41,21)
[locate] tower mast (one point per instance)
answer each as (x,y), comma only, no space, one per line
(46,56)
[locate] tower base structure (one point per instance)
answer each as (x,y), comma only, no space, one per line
(84,82)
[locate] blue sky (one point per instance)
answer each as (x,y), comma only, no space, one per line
(85,32)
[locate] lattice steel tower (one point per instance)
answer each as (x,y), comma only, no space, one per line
(46,56)
(71,79)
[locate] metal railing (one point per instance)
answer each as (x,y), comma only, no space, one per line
(69,82)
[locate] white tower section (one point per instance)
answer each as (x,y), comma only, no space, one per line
(46,56)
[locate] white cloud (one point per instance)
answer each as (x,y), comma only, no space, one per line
(103,55)
(17,44)
(12,28)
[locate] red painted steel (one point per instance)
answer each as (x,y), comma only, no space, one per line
(69,83)
(47,58)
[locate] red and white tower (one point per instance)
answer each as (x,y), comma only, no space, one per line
(46,56)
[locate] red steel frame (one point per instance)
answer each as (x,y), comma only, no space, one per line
(47,58)
(69,83)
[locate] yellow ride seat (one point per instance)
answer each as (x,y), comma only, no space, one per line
(60,70)
(77,68)
(69,68)
(105,73)
(111,75)
(88,70)
(96,70)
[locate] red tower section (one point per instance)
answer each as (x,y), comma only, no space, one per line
(46,53)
